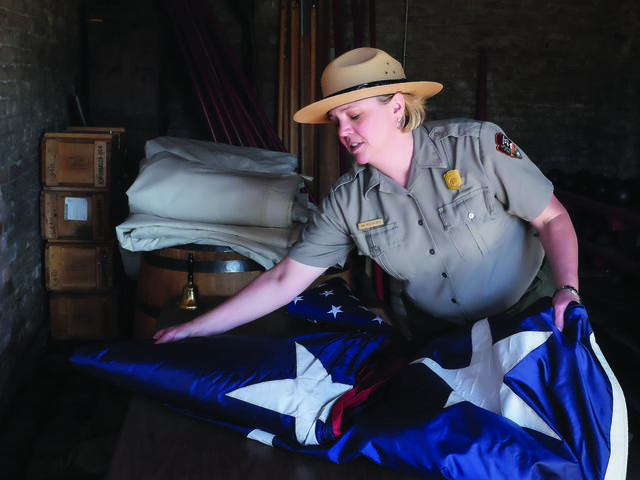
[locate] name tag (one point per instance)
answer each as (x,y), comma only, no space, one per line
(370,224)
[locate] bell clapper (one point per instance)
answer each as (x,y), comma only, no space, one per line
(189,298)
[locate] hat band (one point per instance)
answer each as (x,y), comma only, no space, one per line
(362,86)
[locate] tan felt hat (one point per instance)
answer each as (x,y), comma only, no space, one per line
(357,74)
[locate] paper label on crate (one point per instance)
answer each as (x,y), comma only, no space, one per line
(100,166)
(76,209)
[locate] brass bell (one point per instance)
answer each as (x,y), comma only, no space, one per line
(189,297)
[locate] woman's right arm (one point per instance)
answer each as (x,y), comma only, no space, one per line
(267,292)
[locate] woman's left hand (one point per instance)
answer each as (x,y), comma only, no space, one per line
(560,301)
(561,247)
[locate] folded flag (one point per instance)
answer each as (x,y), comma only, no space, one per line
(508,397)
(333,305)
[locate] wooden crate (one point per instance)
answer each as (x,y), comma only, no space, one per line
(90,316)
(115,131)
(118,136)
(79,266)
(79,159)
(75,215)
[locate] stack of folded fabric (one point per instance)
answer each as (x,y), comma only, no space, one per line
(192,191)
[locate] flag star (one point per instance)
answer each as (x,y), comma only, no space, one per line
(482,382)
(308,397)
(377,319)
(326,293)
(335,311)
(297,299)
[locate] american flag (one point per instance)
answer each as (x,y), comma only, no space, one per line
(508,397)
(333,305)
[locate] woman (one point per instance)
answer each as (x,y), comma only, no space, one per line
(453,210)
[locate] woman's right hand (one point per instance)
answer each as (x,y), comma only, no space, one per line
(200,326)
(171,334)
(267,292)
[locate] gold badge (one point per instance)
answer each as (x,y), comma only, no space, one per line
(370,224)
(453,179)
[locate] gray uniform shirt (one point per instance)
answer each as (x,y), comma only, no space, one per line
(461,253)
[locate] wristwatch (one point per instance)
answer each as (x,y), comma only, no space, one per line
(571,288)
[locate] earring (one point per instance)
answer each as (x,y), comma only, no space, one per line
(399,124)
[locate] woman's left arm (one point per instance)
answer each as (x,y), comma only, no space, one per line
(561,247)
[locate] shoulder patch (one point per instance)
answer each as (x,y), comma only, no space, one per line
(506,146)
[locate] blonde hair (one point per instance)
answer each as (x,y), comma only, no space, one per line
(414,110)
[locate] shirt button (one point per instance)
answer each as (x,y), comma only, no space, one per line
(471,215)
(420,222)
(432,251)
(453,300)
(444,274)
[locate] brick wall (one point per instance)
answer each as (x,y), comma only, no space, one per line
(39,64)
(561,74)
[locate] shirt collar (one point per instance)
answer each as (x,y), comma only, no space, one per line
(425,152)
(425,155)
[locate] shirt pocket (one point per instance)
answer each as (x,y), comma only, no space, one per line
(385,245)
(469,221)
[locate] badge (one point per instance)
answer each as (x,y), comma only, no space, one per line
(506,146)
(453,179)
(370,224)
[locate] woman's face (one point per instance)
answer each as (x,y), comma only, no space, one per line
(365,127)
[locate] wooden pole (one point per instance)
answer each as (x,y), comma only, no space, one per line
(294,87)
(314,45)
(327,162)
(281,68)
(307,72)
(313,85)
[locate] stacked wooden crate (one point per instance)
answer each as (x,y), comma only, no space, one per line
(80,205)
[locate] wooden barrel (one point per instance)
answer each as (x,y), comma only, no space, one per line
(217,271)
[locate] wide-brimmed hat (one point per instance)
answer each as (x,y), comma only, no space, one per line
(357,74)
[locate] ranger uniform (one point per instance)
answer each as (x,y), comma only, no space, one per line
(458,237)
